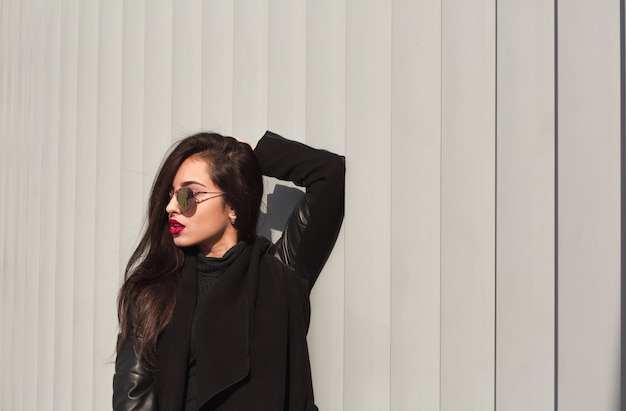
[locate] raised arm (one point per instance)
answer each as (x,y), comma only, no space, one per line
(312,229)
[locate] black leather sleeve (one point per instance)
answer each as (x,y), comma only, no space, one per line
(133,385)
(312,228)
(285,248)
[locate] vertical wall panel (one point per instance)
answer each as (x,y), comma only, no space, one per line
(4,185)
(66,210)
(217,66)
(49,192)
(468,205)
(108,199)
(250,69)
(286,110)
(415,211)
(623,199)
(4,75)
(368,206)
(12,170)
(588,206)
(157,77)
(325,127)
(326,74)
(186,67)
(84,214)
(20,91)
(133,186)
(33,24)
(525,212)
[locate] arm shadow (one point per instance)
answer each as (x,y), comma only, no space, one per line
(280,205)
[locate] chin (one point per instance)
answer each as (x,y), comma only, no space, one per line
(179,242)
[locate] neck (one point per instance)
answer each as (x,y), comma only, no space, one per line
(220,247)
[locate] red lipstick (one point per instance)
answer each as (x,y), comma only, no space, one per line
(175,227)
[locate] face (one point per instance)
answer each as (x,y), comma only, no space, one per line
(207,224)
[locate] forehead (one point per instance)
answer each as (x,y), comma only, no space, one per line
(193,169)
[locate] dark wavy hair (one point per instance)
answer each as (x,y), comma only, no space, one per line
(147,297)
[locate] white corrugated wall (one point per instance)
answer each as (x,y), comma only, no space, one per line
(479,264)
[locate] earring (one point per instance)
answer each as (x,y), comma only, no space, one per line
(233,218)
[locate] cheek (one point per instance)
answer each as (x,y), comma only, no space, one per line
(211,217)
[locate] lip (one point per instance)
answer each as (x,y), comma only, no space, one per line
(175,227)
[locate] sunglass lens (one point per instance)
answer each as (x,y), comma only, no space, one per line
(185,199)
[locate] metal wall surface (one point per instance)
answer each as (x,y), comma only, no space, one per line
(468,141)
(525,303)
(415,339)
(479,263)
(589,241)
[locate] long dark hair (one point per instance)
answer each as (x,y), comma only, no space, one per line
(147,297)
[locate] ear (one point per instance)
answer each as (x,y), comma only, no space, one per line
(232,214)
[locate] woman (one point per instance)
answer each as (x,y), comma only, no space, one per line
(213,317)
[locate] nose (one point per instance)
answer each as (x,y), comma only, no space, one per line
(172,206)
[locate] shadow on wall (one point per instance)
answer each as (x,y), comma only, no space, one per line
(280,204)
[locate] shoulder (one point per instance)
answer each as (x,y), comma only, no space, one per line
(275,282)
(269,263)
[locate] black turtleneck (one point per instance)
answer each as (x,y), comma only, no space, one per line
(211,268)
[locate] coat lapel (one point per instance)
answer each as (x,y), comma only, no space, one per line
(222,335)
(173,346)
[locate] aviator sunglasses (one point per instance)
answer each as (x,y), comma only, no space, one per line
(186,197)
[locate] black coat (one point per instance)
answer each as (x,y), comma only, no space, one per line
(251,349)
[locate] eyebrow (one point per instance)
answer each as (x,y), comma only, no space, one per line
(188,183)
